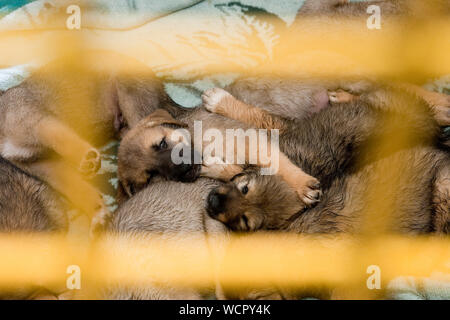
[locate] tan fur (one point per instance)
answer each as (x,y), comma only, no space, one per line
(341,96)
(405,192)
(140,150)
(439,103)
(293,98)
(138,158)
(230,107)
(28,206)
(173,211)
(65,142)
(441,201)
(62,178)
(244,211)
(236,205)
(306,186)
(222,172)
(65,110)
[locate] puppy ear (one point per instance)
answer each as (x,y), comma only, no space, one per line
(160,117)
(111,101)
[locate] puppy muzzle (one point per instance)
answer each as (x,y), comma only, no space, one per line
(215,203)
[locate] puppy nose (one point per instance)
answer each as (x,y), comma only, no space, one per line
(213,200)
(215,203)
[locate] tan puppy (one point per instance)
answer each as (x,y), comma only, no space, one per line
(399,185)
(28,206)
(145,153)
(51,122)
(327,144)
(148,148)
(158,211)
(268,202)
(322,18)
(299,98)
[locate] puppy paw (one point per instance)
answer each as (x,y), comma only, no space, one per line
(90,163)
(340,96)
(213,98)
(100,221)
(309,191)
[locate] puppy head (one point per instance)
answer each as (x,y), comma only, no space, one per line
(254,202)
(146,151)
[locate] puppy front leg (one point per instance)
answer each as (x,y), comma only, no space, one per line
(276,162)
(221,102)
(216,168)
(306,186)
(71,185)
(64,141)
(341,96)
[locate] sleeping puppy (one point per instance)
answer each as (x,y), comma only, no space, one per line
(418,204)
(148,150)
(141,215)
(413,201)
(156,212)
(382,170)
(337,145)
(322,19)
(28,206)
(296,97)
(149,145)
(51,124)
